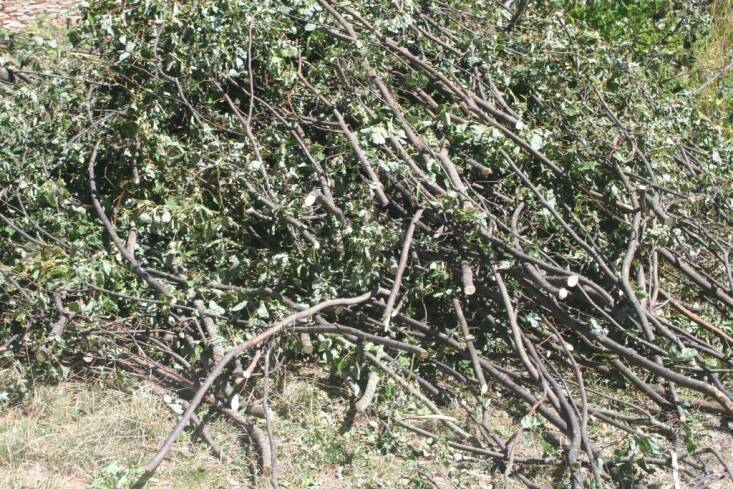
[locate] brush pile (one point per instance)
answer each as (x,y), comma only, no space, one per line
(469,198)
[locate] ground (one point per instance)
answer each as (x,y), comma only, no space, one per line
(74,435)
(15,14)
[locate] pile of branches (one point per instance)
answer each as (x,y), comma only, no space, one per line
(488,191)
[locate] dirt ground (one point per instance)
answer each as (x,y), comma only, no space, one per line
(15,14)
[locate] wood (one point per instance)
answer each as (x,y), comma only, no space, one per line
(467,278)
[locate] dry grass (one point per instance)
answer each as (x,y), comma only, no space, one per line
(74,434)
(71,435)
(64,436)
(715,67)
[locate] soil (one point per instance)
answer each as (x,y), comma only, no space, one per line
(16,14)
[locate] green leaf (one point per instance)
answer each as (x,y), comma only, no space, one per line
(216,308)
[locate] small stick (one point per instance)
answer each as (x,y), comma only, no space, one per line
(400,269)
(326,327)
(58,327)
(366,399)
(516,332)
(215,372)
(340,19)
(203,430)
(131,241)
(722,461)
(134,264)
(697,319)
(252,365)
(675,470)
(19,287)
(471,349)
(257,436)
(268,422)
(485,171)
(211,329)
(409,388)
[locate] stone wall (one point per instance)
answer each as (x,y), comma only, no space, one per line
(15,14)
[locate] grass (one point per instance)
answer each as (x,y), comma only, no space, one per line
(74,435)
(714,70)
